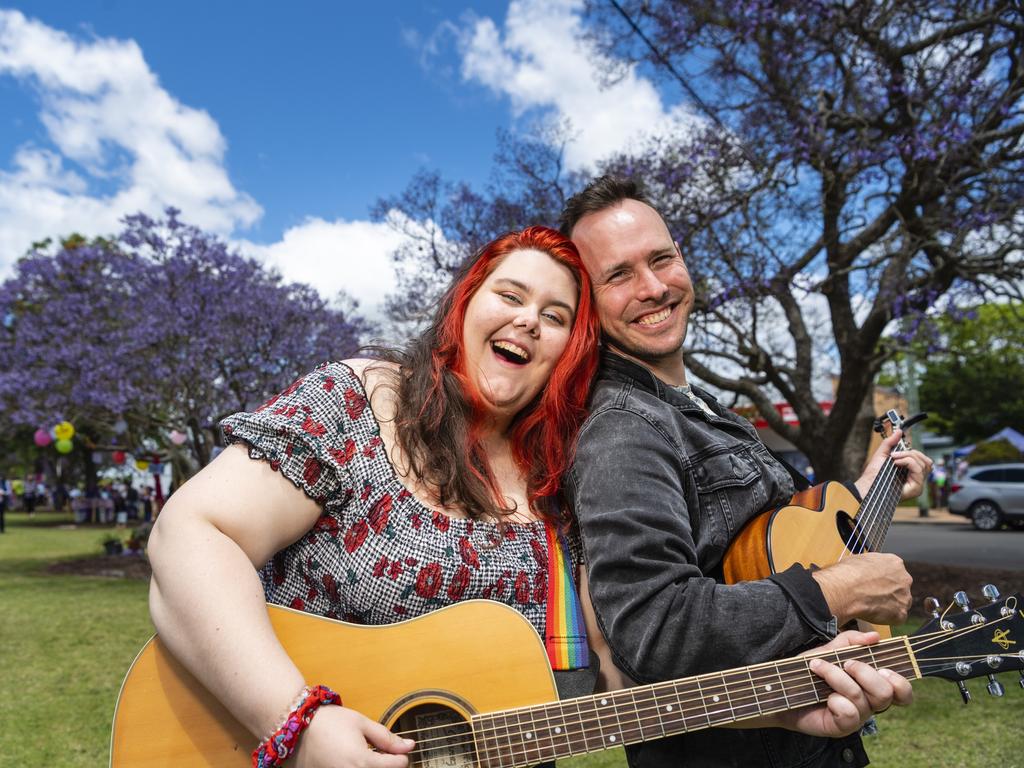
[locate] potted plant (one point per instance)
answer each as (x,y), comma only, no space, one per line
(138,537)
(112,544)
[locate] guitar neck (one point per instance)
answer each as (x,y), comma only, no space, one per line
(878,507)
(530,735)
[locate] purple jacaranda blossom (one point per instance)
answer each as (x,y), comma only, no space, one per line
(164,327)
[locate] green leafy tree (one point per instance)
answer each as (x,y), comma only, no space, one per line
(994,452)
(973,382)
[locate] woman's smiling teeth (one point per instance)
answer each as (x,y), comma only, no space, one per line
(511,352)
(656,317)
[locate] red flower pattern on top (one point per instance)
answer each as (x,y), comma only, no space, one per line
(313,428)
(376,554)
(468,553)
(356,535)
(343,455)
(354,404)
(311,471)
(378,516)
(429,580)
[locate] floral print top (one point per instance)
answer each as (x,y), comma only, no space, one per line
(377,555)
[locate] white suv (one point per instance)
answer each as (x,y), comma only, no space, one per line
(990,495)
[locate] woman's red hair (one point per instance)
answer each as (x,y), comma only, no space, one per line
(544,433)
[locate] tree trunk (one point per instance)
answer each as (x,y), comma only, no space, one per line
(838,451)
(854,453)
(199,446)
(88,468)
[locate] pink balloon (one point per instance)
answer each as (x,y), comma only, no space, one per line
(42,438)
(178,438)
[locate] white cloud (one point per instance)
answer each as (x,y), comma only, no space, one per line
(111,125)
(334,256)
(541,61)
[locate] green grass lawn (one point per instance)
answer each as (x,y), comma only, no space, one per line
(66,642)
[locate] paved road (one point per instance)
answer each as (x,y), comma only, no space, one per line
(956,544)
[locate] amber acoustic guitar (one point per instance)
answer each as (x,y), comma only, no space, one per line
(471,684)
(821,525)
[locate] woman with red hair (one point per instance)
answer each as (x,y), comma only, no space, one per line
(376,490)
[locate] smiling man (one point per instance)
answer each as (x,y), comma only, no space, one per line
(664,477)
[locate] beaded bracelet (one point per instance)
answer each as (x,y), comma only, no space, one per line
(282,742)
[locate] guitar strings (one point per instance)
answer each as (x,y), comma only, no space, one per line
(878,655)
(878,497)
(890,651)
(716,683)
(651,716)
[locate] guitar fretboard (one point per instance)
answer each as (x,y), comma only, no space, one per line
(878,507)
(530,735)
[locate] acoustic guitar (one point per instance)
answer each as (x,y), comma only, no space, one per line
(821,525)
(472,685)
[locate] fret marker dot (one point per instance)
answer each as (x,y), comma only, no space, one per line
(714,698)
(604,702)
(668,707)
(611,738)
(529,735)
(558,729)
(767,687)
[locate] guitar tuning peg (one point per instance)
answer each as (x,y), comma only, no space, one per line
(960,598)
(995,688)
(964,693)
(991,592)
(931,605)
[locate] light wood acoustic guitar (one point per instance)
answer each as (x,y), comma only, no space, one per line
(472,685)
(821,525)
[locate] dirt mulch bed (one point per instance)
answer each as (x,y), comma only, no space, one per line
(112,566)
(941,581)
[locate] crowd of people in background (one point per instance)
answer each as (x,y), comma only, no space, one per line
(119,502)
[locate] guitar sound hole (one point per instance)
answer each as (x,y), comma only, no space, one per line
(845,526)
(443,738)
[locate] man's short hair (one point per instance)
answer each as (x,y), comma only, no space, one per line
(603,192)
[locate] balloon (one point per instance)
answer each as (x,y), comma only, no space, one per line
(178,438)
(120,426)
(42,438)
(64,431)
(64,446)
(141,464)
(118,457)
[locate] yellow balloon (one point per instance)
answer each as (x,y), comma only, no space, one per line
(142,465)
(64,431)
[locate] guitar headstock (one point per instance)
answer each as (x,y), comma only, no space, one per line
(962,642)
(893,420)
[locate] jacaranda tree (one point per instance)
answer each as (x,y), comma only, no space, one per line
(854,169)
(163,328)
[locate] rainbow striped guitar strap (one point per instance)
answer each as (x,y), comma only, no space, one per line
(566,636)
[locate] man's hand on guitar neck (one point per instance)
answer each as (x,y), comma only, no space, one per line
(873,586)
(918,467)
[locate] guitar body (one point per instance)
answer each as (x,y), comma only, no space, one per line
(477,656)
(471,683)
(812,530)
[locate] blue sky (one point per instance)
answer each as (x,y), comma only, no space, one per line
(277,127)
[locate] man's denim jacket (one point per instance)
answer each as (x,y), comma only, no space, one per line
(660,488)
